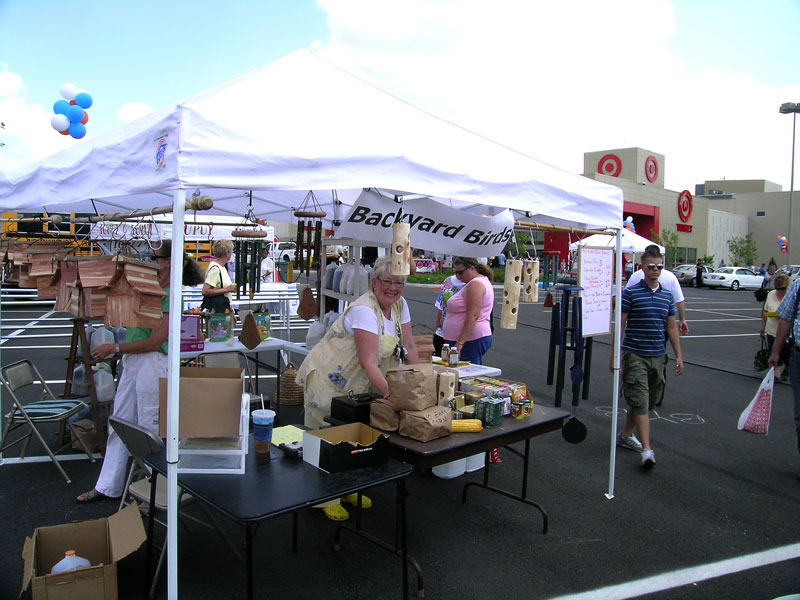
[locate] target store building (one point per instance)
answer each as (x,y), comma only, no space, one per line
(704,219)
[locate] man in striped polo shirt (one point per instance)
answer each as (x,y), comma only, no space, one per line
(648,319)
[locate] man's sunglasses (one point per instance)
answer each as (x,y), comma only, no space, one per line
(652,266)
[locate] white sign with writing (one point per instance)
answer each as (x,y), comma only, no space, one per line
(434,226)
(596,277)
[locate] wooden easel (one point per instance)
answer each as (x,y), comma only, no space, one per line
(79,337)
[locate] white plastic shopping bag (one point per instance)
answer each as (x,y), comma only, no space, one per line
(755,417)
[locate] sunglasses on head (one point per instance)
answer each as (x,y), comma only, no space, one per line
(652,266)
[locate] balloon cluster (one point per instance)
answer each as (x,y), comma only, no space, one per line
(628,224)
(71,116)
(783,243)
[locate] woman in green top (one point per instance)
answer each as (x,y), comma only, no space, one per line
(144,361)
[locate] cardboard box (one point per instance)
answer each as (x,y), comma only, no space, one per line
(191,328)
(345,447)
(210,400)
(102,542)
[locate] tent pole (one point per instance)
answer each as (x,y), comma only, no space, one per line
(174,353)
(617,342)
(526,225)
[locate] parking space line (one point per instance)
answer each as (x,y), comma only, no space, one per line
(690,575)
(722,335)
(22,328)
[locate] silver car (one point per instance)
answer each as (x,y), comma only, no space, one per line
(734,278)
(687,274)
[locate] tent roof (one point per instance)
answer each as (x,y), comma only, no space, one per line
(631,242)
(297,124)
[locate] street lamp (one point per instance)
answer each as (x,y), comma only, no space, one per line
(793,108)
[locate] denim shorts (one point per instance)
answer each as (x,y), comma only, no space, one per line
(643,381)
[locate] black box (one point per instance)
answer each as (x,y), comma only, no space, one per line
(353,408)
(351,446)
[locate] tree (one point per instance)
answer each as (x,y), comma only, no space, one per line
(708,260)
(668,239)
(743,250)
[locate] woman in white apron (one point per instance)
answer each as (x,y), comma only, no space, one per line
(370,336)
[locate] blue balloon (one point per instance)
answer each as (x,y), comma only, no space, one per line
(61,107)
(83,100)
(75,114)
(77,130)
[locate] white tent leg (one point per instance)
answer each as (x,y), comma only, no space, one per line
(174,352)
(617,343)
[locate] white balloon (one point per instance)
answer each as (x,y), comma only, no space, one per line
(68,91)
(629,219)
(59,122)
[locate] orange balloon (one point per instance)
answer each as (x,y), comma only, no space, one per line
(85,118)
(65,132)
(72,102)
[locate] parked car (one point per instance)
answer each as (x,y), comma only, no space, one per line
(687,274)
(284,251)
(734,278)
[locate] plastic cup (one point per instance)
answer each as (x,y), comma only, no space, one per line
(263,419)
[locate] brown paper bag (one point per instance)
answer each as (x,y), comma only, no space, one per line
(426,425)
(382,416)
(411,387)
(307,309)
(250,335)
(86,431)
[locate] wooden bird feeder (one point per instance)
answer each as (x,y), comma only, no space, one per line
(134,297)
(530,280)
(401,249)
(508,318)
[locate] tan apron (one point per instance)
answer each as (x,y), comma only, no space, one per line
(332,367)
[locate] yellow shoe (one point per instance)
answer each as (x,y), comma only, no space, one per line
(336,512)
(353,499)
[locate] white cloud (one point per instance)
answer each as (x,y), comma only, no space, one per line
(133,110)
(27,135)
(557,79)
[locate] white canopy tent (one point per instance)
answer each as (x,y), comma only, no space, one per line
(632,243)
(291,126)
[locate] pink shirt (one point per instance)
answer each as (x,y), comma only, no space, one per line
(457,312)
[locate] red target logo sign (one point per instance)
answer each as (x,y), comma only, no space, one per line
(685,205)
(651,169)
(610,165)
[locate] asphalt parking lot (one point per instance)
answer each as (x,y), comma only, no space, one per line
(715,518)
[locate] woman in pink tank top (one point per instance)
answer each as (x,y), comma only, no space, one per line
(468,321)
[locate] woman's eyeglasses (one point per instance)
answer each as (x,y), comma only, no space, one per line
(389,283)
(461,271)
(780,288)
(653,266)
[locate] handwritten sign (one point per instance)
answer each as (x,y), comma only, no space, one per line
(596,277)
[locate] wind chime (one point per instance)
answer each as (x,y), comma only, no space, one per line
(309,248)
(248,249)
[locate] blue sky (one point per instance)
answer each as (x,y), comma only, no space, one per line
(699,81)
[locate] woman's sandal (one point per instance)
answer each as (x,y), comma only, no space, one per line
(91,496)
(336,512)
(353,499)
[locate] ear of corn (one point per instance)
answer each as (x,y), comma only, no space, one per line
(466,425)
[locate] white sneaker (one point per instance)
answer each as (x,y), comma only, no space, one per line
(648,459)
(629,442)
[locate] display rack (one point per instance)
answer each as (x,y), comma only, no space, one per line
(79,337)
(354,251)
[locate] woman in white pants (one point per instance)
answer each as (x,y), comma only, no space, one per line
(144,361)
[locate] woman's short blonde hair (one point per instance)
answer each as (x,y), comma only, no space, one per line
(781,280)
(383,269)
(221,247)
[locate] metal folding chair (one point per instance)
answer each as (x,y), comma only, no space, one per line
(140,442)
(48,409)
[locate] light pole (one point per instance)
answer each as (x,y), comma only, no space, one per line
(793,108)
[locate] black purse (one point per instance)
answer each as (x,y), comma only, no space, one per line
(216,304)
(761,359)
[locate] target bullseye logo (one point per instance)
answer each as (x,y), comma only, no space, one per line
(610,165)
(651,168)
(685,205)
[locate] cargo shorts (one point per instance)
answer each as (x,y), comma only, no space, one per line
(643,381)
